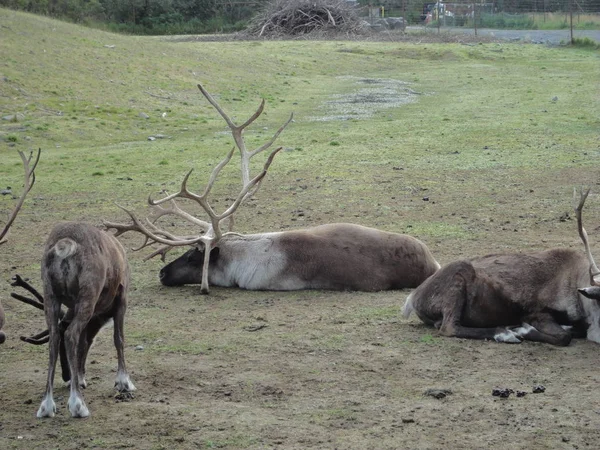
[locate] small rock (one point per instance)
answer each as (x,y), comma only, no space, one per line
(425,199)
(555,98)
(143,115)
(6,191)
(151,138)
(521,393)
(139,347)
(408,420)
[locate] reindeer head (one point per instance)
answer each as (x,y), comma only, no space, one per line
(188,268)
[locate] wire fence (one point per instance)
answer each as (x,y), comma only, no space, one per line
(570,15)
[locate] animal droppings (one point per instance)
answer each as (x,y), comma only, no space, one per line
(502,392)
(539,389)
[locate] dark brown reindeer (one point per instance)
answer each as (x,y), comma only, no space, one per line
(547,296)
(29,164)
(85,269)
(334,256)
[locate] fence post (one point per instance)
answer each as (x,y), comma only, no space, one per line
(571,18)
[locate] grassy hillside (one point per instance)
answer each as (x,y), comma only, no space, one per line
(472,148)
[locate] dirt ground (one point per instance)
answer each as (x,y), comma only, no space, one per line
(315,369)
(311,369)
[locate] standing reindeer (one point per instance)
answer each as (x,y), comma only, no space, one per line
(29,164)
(86,270)
(334,256)
(549,296)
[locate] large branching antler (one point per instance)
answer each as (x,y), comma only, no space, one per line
(211,231)
(583,194)
(29,181)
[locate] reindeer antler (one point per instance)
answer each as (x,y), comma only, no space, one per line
(211,231)
(38,302)
(583,234)
(28,184)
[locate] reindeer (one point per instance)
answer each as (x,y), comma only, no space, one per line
(29,165)
(85,269)
(334,256)
(549,296)
(338,256)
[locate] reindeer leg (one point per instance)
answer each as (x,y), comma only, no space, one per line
(75,332)
(463,286)
(543,328)
(92,329)
(122,383)
(52,312)
(64,361)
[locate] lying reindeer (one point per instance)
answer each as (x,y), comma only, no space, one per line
(86,270)
(334,256)
(338,256)
(29,164)
(547,296)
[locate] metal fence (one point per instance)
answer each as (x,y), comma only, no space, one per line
(569,15)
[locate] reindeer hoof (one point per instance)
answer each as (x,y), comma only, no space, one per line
(124,384)
(77,408)
(47,409)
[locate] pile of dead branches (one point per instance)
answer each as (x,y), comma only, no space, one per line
(282,18)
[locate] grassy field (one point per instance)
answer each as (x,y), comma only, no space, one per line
(471,148)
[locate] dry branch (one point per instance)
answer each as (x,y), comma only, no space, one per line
(306,17)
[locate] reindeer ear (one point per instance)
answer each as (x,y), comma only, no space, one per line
(592,292)
(214,254)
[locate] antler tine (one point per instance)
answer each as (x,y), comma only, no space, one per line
(29,181)
(583,234)
(162,251)
(175,210)
(20,282)
(156,234)
(275,136)
(254,182)
(212,101)
(29,301)
(215,173)
(37,339)
(183,192)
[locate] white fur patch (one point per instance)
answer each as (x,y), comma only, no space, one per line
(47,408)
(592,314)
(593,333)
(508,336)
(523,330)
(77,406)
(408,307)
(123,383)
(65,248)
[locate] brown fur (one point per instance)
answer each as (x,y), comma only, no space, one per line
(86,270)
(480,297)
(346,256)
(335,256)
